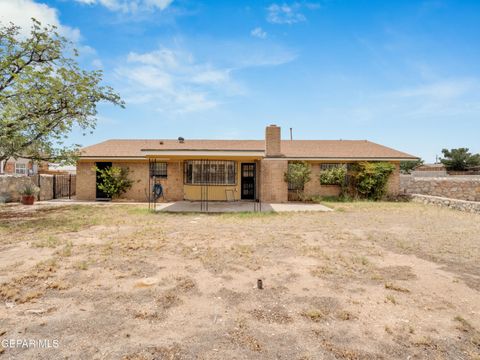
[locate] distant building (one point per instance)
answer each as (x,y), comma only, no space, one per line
(54,168)
(430,170)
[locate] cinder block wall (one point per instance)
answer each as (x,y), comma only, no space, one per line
(273,187)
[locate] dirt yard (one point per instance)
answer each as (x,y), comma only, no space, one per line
(367,281)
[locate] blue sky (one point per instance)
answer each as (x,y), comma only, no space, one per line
(402,73)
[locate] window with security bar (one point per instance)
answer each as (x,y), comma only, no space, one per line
(158,169)
(327,166)
(210,172)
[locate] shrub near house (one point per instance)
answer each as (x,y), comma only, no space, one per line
(114,181)
(297,175)
(369,179)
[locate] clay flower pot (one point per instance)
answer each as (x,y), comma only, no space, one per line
(28,193)
(28,199)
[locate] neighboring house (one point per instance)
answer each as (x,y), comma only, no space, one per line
(20,166)
(224,169)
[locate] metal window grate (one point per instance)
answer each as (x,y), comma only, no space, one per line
(158,169)
(210,172)
(327,166)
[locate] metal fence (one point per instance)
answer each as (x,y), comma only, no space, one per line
(64,186)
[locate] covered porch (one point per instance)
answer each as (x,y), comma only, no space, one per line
(213,176)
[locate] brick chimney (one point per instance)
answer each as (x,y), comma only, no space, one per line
(273,141)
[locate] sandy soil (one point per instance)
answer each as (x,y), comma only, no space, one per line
(367,281)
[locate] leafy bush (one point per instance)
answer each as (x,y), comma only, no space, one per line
(370,179)
(114,181)
(297,175)
(333,176)
(406,167)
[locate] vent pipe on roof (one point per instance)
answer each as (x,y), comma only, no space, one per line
(291,134)
(181,140)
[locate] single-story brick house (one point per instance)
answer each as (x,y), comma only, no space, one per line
(231,169)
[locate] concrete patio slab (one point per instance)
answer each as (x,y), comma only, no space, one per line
(186,206)
(238,206)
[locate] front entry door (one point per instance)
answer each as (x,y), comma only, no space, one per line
(248,181)
(101,165)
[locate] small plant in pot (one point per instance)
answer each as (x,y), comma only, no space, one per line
(28,193)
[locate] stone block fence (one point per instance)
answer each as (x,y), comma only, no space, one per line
(462,205)
(463,188)
(11,184)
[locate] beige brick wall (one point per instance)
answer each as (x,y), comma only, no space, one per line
(86,182)
(172,185)
(272,186)
(313,187)
(138,172)
(393,185)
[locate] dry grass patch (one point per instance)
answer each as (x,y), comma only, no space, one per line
(241,336)
(199,274)
(276,314)
(30,286)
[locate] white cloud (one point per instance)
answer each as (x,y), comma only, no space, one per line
(285,13)
(173,81)
(130,6)
(20,13)
(259,33)
(457,97)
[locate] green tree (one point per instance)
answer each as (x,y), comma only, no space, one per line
(297,175)
(406,167)
(459,159)
(114,181)
(44,93)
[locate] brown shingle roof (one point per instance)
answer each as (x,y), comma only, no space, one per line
(354,149)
